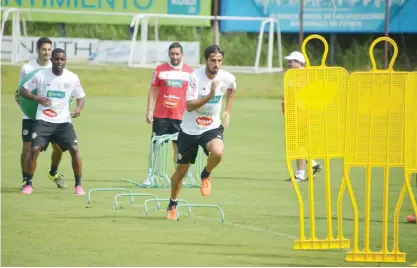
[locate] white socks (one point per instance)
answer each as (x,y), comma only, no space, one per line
(300,174)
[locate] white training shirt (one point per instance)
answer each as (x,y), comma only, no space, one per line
(59,89)
(207,117)
(28,68)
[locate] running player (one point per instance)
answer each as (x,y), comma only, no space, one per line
(296,60)
(166,97)
(55,87)
(44,48)
(201,124)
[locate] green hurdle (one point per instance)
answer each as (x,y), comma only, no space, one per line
(90,192)
(116,198)
(200,205)
(158,163)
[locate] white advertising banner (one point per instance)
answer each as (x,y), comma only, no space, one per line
(86,50)
(77,49)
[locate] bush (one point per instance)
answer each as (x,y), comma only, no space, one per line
(351,50)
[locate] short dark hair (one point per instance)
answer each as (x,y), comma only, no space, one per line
(58,50)
(212,49)
(43,40)
(175,45)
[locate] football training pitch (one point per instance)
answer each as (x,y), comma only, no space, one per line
(53,227)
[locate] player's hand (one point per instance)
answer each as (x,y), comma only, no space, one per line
(16,97)
(44,101)
(149,117)
(214,85)
(226,117)
(76,113)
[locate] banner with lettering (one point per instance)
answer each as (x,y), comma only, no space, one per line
(332,16)
(92,51)
(122,10)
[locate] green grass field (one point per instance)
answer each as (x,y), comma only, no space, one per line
(53,227)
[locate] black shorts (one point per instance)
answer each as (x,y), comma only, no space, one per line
(62,134)
(27,129)
(162,126)
(188,144)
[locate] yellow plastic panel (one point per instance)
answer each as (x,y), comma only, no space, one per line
(315,109)
(375,138)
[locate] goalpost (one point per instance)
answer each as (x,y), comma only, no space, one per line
(140,50)
(144,20)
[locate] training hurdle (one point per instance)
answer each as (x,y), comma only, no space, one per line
(153,199)
(158,164)
(315,108)
(90,192)
(200,205)
(117,196)
(375,123)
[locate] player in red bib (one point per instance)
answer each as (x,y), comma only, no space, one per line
(166,97)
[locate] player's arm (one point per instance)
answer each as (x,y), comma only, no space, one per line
(152,92)
(31,84)
(193,102)
(229,98)
(152,98)
(79,95)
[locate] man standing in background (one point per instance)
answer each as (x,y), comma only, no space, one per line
(55,86)
(43,48)
(296,60)
(166,97)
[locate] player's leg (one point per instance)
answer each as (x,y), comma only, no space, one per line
(41,135)
(27,128)
(175,127)
(187,153)
(53,174)
(300,172)
(316,168)
(212,143)
(66,138)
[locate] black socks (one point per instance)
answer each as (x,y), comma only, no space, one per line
(53,171)
(205,174)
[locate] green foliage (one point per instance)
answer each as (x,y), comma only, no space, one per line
(351,51)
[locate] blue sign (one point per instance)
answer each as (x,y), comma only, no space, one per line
(321,16)
(189,7)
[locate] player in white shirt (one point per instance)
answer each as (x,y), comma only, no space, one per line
(44,48)
(201,124)
(56,87)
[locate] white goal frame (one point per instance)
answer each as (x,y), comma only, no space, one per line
(143,21)
(19,16)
